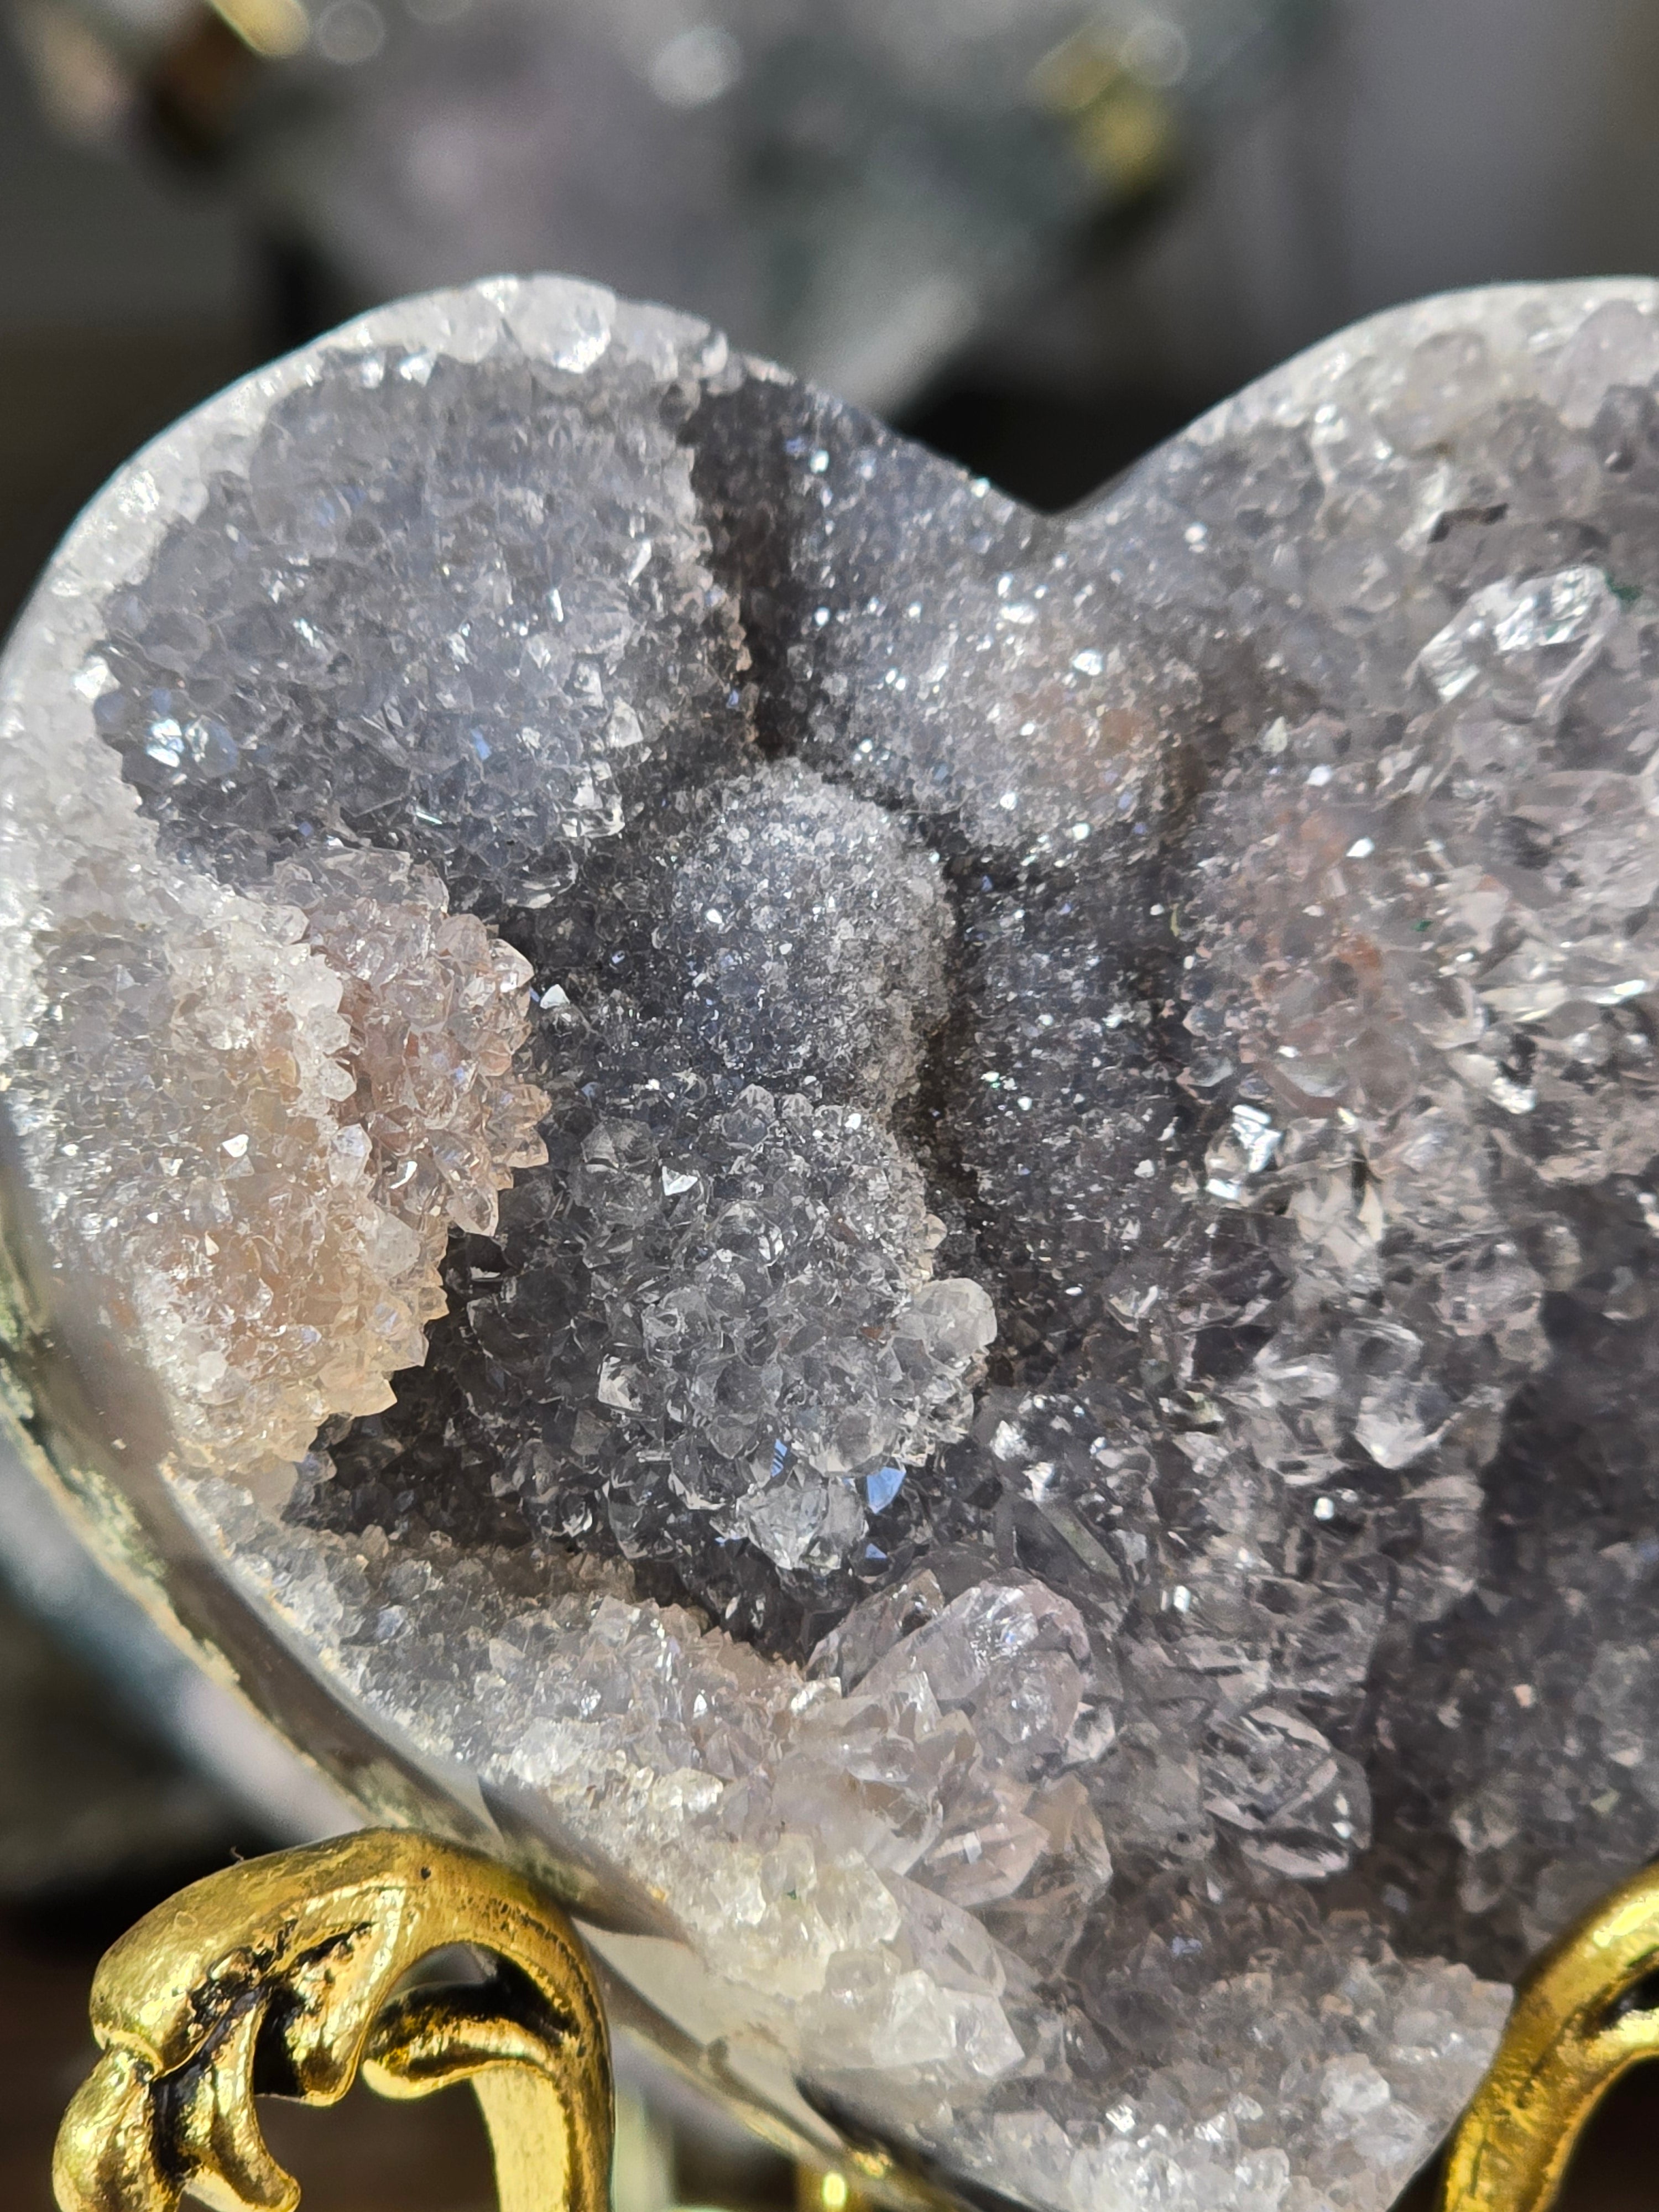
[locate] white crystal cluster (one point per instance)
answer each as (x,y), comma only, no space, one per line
(1005,1167)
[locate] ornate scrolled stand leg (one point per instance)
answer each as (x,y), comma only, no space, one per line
(1587,2012)
(278,1977)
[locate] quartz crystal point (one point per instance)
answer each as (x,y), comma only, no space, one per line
(934,1227)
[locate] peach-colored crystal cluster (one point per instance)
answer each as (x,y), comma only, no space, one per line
(285,1102)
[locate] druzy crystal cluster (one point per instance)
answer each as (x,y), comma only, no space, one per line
(936,1226)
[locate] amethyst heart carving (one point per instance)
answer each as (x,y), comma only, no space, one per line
(926,1236)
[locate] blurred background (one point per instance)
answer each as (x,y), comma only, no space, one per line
(1038,234)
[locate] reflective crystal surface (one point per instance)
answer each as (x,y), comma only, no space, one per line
(934,1227)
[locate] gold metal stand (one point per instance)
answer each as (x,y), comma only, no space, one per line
(1587,2012)
(280,1976)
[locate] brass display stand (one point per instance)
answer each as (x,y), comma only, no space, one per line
(1585,2014)
(280,1976)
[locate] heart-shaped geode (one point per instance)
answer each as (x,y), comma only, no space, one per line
(930,1227)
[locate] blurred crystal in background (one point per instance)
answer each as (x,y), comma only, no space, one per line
(856,190)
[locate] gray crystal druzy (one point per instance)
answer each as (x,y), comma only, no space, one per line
(934,1226)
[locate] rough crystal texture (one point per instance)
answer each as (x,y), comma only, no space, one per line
(283,1108)
(1003,1168)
